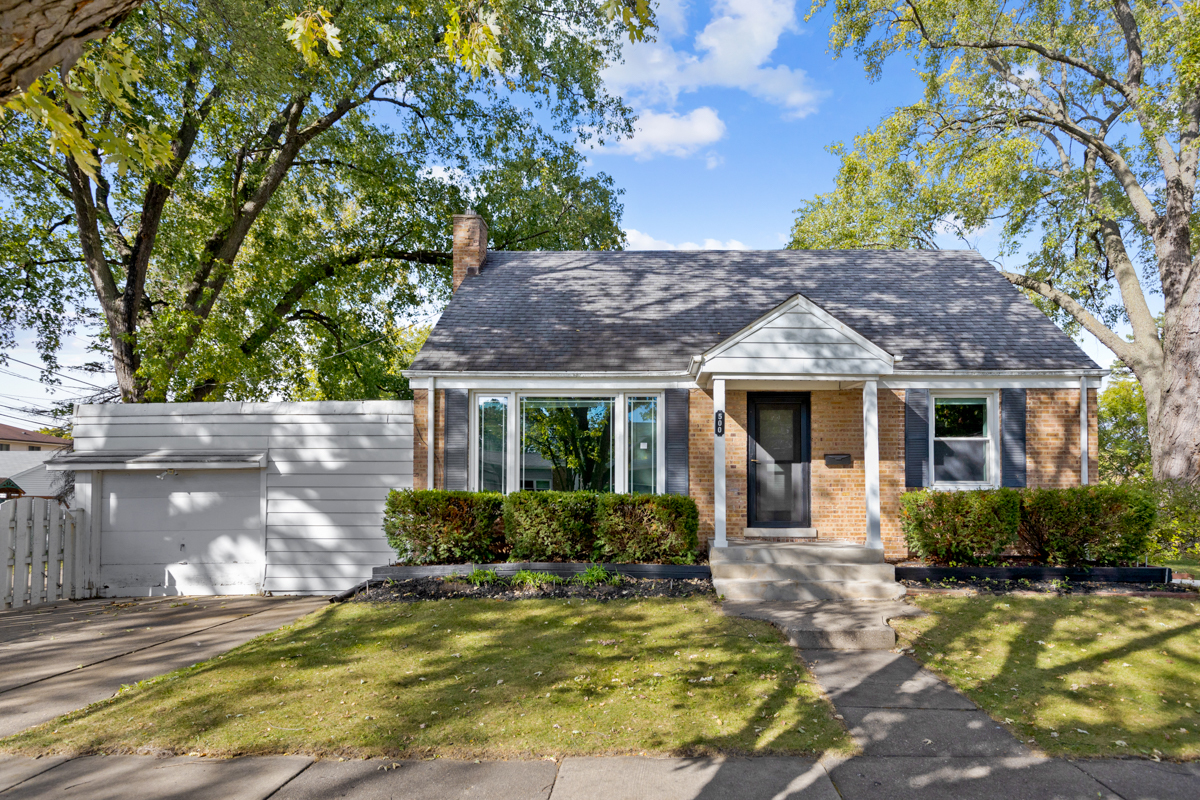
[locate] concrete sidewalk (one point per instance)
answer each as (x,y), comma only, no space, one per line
(774,778)
(63,657)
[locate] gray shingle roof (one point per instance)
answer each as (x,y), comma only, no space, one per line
(651,311)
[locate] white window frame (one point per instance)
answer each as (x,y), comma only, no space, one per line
(993,438)
(620,432)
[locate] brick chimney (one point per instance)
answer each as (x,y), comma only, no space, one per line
(470,245)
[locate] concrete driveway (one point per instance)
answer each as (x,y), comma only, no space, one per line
(63,657)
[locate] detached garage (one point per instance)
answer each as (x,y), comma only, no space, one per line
(238,498)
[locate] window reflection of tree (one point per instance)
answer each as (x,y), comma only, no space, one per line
(575,440)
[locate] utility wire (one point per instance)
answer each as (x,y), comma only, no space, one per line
(53,372)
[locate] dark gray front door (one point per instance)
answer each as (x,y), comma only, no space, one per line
(779,460)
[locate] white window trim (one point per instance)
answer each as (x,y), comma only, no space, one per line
(993,424)
(620,433)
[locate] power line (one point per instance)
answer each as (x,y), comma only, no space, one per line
(53,372)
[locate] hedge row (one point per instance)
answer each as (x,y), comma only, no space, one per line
(440,527)
(1098,525)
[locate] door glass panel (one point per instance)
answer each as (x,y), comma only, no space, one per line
(777,471)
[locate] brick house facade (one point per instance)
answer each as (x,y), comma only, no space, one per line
(888,371)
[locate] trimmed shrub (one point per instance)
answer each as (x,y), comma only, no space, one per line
(1100,525)
(655,528)
(967,528)
(550,526)
(432,526)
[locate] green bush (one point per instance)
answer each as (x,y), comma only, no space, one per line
(1101,525)
(528,579)
(1098,525)
(967,528)
(1176,534)
(439,527)
(655,528)
(550,526)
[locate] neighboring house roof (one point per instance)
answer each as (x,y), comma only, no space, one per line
(9,433)
(652,311)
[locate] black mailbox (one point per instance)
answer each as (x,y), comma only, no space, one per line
(839,460)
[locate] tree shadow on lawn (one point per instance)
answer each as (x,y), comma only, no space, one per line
(469,678)
(1056,675)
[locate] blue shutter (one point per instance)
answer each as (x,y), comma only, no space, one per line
(458,425)
(916,438)
(677,440)
(1012,437)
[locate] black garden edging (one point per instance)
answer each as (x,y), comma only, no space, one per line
(1094,574)
(563,570)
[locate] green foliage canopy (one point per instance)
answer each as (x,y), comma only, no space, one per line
(303,209)
(1069,130)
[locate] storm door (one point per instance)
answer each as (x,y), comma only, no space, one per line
(779,460)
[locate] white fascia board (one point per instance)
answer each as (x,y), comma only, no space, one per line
(120,466)
(564,381)
(957,380)
(802,303)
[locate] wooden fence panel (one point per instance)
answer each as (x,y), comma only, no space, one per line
(40,546)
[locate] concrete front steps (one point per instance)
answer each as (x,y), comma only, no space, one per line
(802,572)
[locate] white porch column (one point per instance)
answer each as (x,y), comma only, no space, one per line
(1083,431)
(430,402)
(719,463)
(871,461)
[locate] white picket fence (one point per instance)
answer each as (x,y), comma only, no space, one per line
(46,553)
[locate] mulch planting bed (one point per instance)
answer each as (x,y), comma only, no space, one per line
(985,586)
(415,589)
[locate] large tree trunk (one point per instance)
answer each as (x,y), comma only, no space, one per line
(1174,410)
(1175,427)
(38,35)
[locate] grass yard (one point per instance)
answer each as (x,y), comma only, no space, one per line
(1080,676)
(476,679)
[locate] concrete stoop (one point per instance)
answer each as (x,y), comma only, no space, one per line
(845,625)
(802,572)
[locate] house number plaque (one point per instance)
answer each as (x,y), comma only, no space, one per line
(720,423)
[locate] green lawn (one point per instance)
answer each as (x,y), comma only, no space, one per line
(1081,676)
(1189,565)
(476,679)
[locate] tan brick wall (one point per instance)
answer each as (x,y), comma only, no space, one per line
(838,498)
(1052,438)
(420,445)
(700,460)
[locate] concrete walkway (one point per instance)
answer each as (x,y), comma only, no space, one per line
(63,657)
(864,778)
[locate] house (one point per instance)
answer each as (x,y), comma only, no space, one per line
(24,474)
(18,439)
(795,395)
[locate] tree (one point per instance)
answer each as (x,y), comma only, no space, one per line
(251,215)
(1124,442)
(1072,125)
(42,34)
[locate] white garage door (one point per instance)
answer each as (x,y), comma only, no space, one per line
(196,532)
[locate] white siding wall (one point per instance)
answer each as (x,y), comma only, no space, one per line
(311,522)
(798,343)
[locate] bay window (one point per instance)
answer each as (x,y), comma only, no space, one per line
(600,443)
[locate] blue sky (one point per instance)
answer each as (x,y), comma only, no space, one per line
(738,102)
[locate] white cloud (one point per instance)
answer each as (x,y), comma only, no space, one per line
(733,51)
(714,160)
(644,241)
(674,134)
(671,16)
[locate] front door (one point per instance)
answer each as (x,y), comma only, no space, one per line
(779,460)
